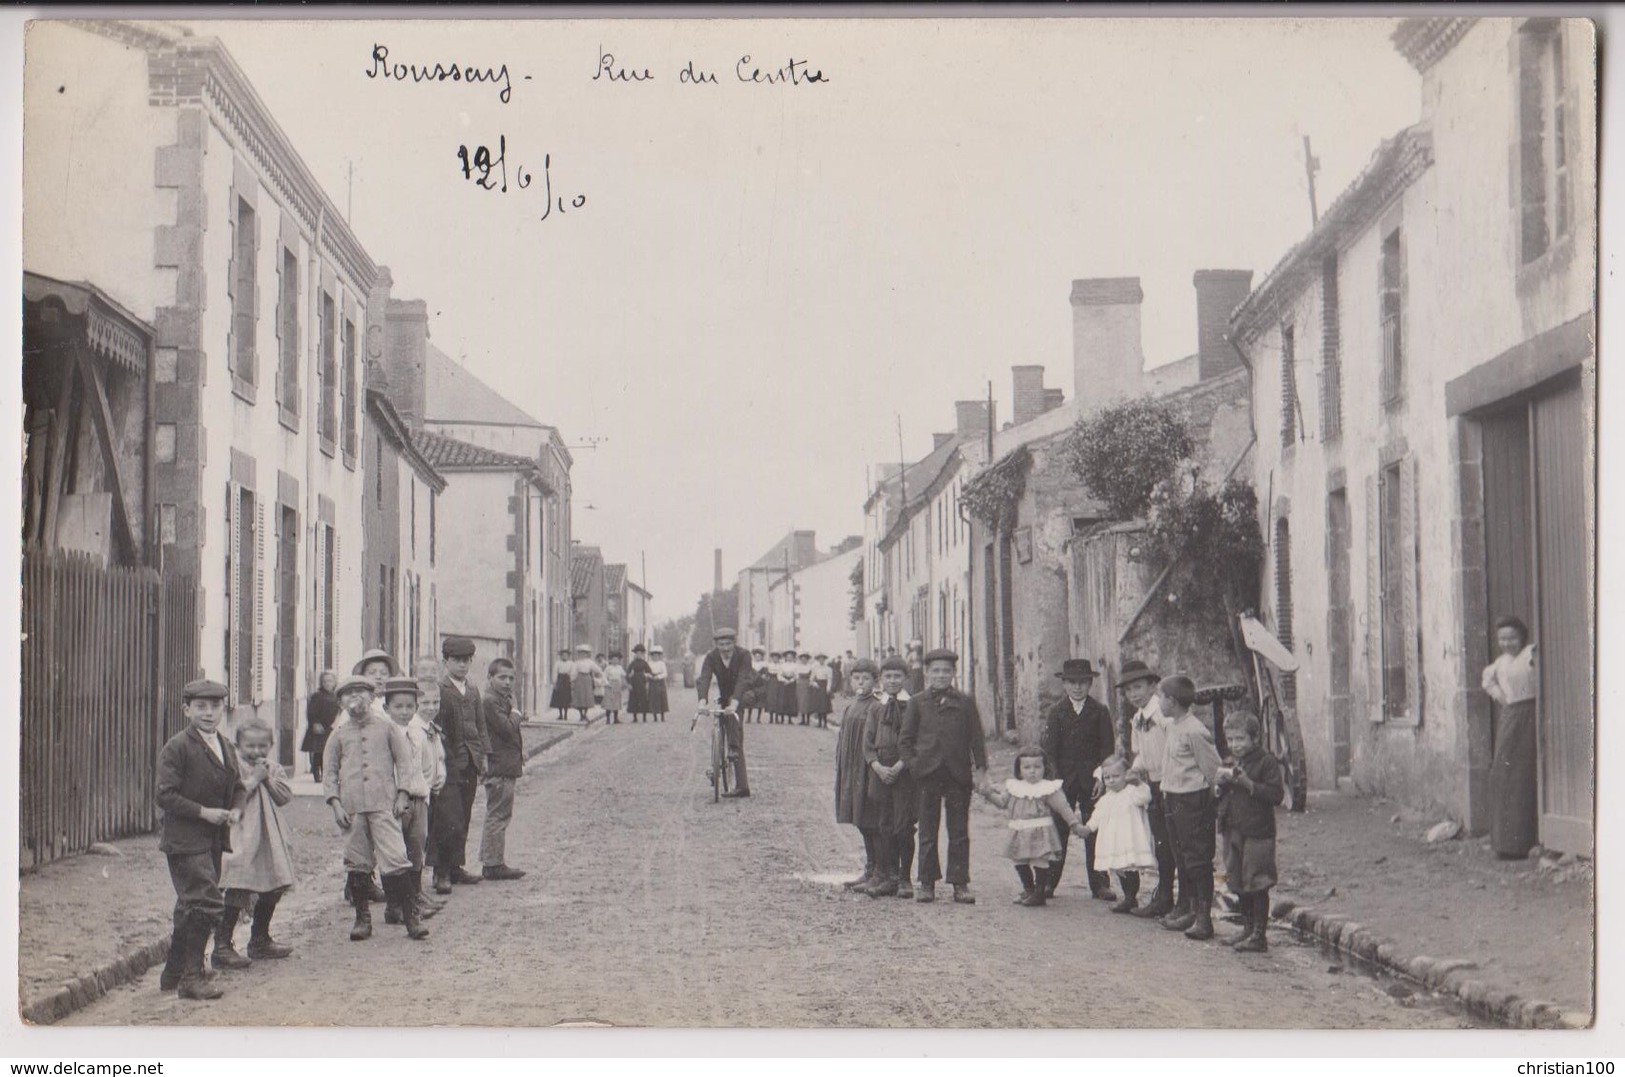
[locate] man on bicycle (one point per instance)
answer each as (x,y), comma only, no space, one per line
(730,667)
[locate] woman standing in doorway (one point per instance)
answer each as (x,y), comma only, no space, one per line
(320,713)
(1511,681)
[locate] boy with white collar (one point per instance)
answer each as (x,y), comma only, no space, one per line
(891,787)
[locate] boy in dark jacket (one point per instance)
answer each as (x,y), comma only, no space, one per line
(201,794)
(505,765)
(1250,788)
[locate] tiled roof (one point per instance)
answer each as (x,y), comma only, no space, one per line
(454,395)
(584,564)
(449,454)
(1425,41)
(614,577)
(919,480)
(1393,167)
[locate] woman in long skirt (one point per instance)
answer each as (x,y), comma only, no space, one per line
(637,680)
(803,686)
(614,688)
(1511,680)
(818,691)
(563,671)
(582,681)
(320,713)
(657,684)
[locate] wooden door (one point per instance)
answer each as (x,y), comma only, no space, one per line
(287,647)
(1339,630)
(1563,630)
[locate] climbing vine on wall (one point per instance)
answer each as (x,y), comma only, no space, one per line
(1126,450)
(992,496)
(854,613)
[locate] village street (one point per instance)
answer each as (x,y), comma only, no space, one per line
(649,905)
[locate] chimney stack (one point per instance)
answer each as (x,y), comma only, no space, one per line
(717,585)
(939,440)
(971,418)
(1218,293)
(1107,362)
(1028,398)
(404,332)
(1054,398)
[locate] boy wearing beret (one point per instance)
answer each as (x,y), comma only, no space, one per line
(201,794)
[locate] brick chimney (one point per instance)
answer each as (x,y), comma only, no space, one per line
(716,583)
(971,418)
(1106,358)
(1054,398)
(404,336)
(1027,400)
(939,440)
(1218,293)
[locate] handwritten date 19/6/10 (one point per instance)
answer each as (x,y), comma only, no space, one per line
(490,173)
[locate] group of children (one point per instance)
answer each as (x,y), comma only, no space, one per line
(786,686)
(399,775)
(637,688)
(1159,803)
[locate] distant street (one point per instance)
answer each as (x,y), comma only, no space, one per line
(648,905)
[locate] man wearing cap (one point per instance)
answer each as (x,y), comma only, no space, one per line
(200,793)
(462,724)
(941,745)
(1078,736)
(1147,740)
(730,668)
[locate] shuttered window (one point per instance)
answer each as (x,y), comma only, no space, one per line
(1331,361)
(1391,289)
(245,594)
(1283,603)
(287,332)
(242,287)
(1289,387)
(351,394)
(328,404)
(1396,581)
(1539,174)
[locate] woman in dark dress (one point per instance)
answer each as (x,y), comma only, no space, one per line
(1512,682)
(320,713)
(637,678)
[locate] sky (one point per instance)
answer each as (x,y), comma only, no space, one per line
(761,281)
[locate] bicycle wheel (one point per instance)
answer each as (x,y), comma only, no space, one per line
(1290,751)
(718,763)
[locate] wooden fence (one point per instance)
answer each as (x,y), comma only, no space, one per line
(105,653)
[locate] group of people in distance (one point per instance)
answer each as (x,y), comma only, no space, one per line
(638,688)
(1150,794)
(401,762)
(786,686)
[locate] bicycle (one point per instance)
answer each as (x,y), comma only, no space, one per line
(721,771)
(1282,736)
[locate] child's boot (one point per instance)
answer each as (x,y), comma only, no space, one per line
(883,886)
(1247,925)
(1202,905)
(1181,916)
(260,944)
(194,982)
(399,887)
(442,881)
(374,891)
(392,908)
(363,907)
(1025,873)
(1040,891)
(427,906)
(1131,891)
(170,977)
(225,953)
(1257,942)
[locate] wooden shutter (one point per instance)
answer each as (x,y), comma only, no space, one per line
(1377,705)
(336,596)
(232,269)
(234,621)
(254,308)
(1410,573)
(259,620)
(318,635)
(281,304)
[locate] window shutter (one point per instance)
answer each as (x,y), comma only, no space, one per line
(254,309)
(1410,547)
(260,626)
(234,621)
(1373,599)
(337,595)
(231,285)
(276,327)
(318,635)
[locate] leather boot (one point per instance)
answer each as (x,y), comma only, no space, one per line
(194,984)
(427,906)
(374,891)
(1181,912)
(463,878)
(392,908)
(1038,896)
(363,907)
(1246,923)
(225,953)
(260,944)
(1202,905)
(1131,892)
(884,886)
(442,881)
(399,887)
(1258,941)
(170,977)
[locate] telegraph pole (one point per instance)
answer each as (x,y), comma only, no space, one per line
(1311,165)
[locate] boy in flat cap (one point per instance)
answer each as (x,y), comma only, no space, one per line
(462,724)
(1078,736)
(367,777)
(200,793)
(505,765)
(730,668)
(1190,769)
(941,745)
(892,792)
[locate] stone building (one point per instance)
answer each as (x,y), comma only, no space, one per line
(1425,387)
(589,594)
(811,608)
(793,551)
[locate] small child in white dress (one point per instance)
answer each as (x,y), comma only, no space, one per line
(1122,828)
(1033,803)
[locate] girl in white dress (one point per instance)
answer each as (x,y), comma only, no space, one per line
(1032,803)
(1121,824)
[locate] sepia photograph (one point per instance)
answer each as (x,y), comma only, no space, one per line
(920,520)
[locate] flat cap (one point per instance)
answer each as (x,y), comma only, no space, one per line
(403,685)
(204,689)
(724,633)
(864,665)
(457,647)
(896,663)
(377,656)
(354,681)
(941,654)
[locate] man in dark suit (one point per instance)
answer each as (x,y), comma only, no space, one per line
(200,793)
(462,724)
(730,668)
(941,745)
(1078,736)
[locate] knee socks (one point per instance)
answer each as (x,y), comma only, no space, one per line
(1026,874)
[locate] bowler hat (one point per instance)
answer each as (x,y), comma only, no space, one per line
(376,656)
(457,647)
(204,689)
(1135,670)
(355,680)
(941,654)
(1076,669)
(401,684)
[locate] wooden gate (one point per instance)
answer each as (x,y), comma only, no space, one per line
(105,653)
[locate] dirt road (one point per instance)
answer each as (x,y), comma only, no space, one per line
(648,905)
